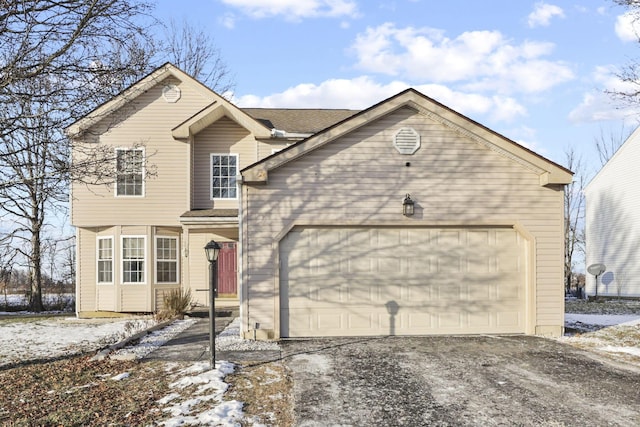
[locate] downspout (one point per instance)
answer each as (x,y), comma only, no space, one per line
(76,278)
(241,287)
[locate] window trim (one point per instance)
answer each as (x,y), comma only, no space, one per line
(156,259)
(142,172)
(98,259)
(211,175)
(123,259)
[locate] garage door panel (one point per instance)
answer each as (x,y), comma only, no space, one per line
(440,280)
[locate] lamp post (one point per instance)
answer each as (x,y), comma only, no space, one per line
(211,250)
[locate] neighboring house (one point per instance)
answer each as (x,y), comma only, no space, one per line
(179,148)
(327,251)
(612,229)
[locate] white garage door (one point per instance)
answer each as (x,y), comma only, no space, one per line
(409,281)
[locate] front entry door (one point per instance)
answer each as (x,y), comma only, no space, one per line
(227,270)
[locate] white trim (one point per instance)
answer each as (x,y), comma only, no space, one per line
(211,175)
(144,259)
(143,172)
(176,259)
(113,260)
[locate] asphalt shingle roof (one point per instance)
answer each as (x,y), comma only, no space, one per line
(299,120)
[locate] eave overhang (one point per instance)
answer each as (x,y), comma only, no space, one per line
(549,172)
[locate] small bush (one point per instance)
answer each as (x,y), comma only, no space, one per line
(175,304)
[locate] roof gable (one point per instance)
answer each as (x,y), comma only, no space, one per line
(131,93)
(625,151)
(548,171)
(214,112)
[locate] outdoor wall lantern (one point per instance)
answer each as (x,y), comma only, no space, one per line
(407,206)
(212,249)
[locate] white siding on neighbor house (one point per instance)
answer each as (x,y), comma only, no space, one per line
(166,195)
(223,137)
(613,223)
(360,179)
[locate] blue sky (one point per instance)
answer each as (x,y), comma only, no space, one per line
(534,71)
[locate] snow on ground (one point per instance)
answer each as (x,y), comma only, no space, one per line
(197,393)
(573,320)
(24,339)
(229,340)
(616,334)
(198,390)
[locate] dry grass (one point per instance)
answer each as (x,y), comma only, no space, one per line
(266,390)
(77,392)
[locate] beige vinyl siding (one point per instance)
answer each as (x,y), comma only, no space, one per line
(360,179)
(166,194)
(118,296)
(86,271)
(223,137)
(265,149)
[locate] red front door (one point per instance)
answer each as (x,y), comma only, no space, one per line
(227,270)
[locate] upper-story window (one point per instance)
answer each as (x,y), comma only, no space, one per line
(224,168)
(130,172)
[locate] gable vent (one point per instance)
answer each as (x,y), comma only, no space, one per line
(171,93)
(406,141)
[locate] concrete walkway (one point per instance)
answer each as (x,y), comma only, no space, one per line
(192,345)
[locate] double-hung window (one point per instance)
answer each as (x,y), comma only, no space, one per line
(166,259)
(133,260)
(224,168)
(105,260)
(129,172)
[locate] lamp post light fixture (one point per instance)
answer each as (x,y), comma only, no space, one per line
(407,206)
(212,249)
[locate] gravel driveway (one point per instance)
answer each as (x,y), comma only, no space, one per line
(457,381)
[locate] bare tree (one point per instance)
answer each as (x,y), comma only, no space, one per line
(629,74)
(194,51)
(59,59)
(574,210)
(607,145)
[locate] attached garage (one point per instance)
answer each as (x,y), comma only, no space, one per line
(401,281)
(327,249)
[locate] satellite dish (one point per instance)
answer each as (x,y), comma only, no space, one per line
(596,269)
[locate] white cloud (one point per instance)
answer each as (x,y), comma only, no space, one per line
(627,27)
(599,104)
(542,14)
(295,10)
(228,20)
(363,92)
(483,60)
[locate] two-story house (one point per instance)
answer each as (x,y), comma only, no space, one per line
(178,148)
(405,218)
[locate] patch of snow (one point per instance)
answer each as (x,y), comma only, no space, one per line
(121,376)
(635,351)
(602,319)
(210,388)
(155,339)
(46,338)
(229,340)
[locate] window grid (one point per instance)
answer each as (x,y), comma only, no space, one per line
(166,260)
(224,168)
(105,260)
(130,172)
(133,249)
